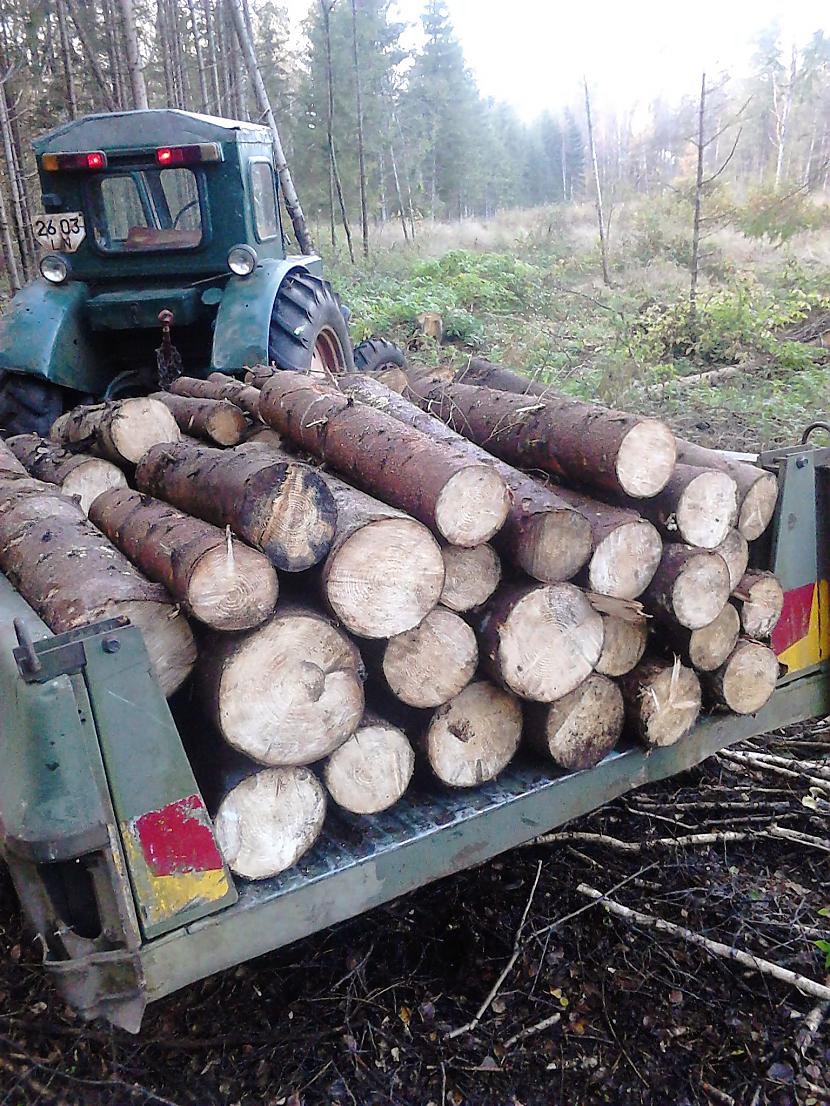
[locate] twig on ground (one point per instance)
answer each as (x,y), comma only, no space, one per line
(811,1024)
(638,846)
(813,767)
(717,1095)
(751,760)
(539,1027)
(800,838)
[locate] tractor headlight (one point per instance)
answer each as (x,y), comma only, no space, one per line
(242,260)
(54,268)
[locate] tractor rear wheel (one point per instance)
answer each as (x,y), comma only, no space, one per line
(28,405)
(376,354)
(308,332)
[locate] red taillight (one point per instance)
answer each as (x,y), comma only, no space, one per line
(164,155)
(188,155)
(54,163)
(96,160)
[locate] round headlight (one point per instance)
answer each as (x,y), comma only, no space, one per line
(242,260)
(54,268)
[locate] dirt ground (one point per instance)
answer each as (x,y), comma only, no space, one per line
(595,1009)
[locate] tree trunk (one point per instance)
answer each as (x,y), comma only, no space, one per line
(71,575)
(735,551)
(694,264)
(623,645)
(325,9)
(66,58)
(691,586)
(78,475)
(431,663)
(217,420)
(398,195)
(114,54)
(485,374)
(13,180)
(135,70)
(361,156)
(708,648)
(470,576)
(372,769)
(9,255)
(213,58)
(540,641)
(287,693)
(219,387)
(581,728)
(757,489)
(222,583)
(121,430)
(662,701)
(746,681)
(463,502)
(283,509)
(91,55)
(204,104)
(698,506)
(600,216)
(473,738)
(760,601)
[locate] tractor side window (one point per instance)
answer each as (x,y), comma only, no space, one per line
(146,209)
(264,195)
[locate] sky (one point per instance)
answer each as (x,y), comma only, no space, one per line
(533,53)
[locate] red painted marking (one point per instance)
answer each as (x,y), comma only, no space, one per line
(794,623)
(178,838)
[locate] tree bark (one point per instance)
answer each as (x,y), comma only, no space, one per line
(746,681)
(431,663)
(9,255)
(216,103)
(121,430)
(662,701)
(219,386)
(623,645)
(283,509)
(735,551)
(135,70)
(66,57)
(470,576)
(204,105)
(222,583)
(91,55)
(709,647)
(485,374)
(691,586)
(600,216)
(757,488)
(760,601)
(694,264)
(581,728)
(372,769)
(361,156)
(472,738)
(13,179)
(325,10)
(217,420)
(78,475)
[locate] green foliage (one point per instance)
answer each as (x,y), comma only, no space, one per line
(778,218)
(824,946)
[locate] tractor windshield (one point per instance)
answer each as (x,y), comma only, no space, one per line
(146,209)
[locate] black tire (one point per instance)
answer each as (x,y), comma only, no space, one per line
(28,405)
(376,354)
(308,332)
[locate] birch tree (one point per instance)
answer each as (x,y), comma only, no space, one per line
(135,71)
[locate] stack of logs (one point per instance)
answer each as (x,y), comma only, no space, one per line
(353,573)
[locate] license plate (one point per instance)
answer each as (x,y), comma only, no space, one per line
(63,232)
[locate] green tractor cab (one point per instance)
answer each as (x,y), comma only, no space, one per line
(157,211)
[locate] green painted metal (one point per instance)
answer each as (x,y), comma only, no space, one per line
(244,316)
(795,547)
(133,309)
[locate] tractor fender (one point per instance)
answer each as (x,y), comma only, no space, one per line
(243,321)
(43,333)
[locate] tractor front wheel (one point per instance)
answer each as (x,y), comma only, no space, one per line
(28,405)
(377,354)
(308,332)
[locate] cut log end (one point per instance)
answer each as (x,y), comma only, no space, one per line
(700,590)
(168,639)
(384,578)
(707,509)
(474,737)
(665,701)
(297,530)
(758,506)
(761,601)
(88,481)
(624,562)
(227,424)
(582,727)
(470,576)
(269,820)
(623,645)
(710,646)
(433,662)
(746,681)
(140,424)
(735,551)
(646,458)
(232,588)
(372,770)
(472,506)
(554,547)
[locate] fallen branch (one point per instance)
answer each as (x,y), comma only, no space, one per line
(811,1024)
(751,760)
(716,948)
(814,767)
(539,1027)
(799,838)
(638,846)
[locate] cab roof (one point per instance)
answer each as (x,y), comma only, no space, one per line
(125,130)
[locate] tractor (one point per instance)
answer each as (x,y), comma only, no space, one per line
(162,217)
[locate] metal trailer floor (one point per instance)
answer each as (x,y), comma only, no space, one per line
(361,863)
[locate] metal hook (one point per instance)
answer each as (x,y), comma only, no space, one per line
(808,430)
(24,640)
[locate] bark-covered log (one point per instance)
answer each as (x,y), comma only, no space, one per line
(735,551)
(662,700)
(466,503)
(624,643)
(221,582)
(284,509)
(269,820)
(257,375)
(217,420)
(70,574)
(567,438)
(691,586)
(470,576)
(9,464)
(471,739)
(372,769)
(760,600)
(485,374)
(745,681)
(289,692)
(218,386)
(76,474)
(430,664)
(393,378)
(757,489)
(707,648)
(122,430)
(541,535)
(540,640)
(698,506)
(626,547)
(262,435)
(582,727)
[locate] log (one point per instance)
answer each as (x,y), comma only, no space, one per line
(698,506)
(269,820)
(465,503)
(76,474)
(283,509)
(709,647)
(217,420)
(432,663)
(71,575)
(218,386)
(221,582)
(540,641)
(541,535)
(470,576)
(122,430)
(372,769)
(9,464)
(289,692)
(393,378)
(571,440)
(757,489)
(471,739)
(746,681)
(581,728)
(624,642)
(691,586)
(257,375)
(735,551)
(626,547)
(760,600)
(662,700)
(261,435)
(484,374)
